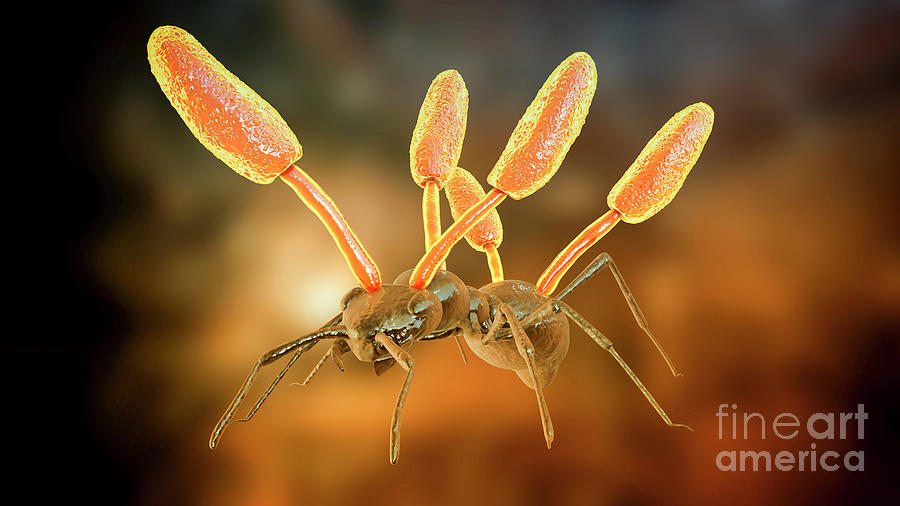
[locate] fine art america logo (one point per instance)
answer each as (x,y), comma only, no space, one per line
(787,426)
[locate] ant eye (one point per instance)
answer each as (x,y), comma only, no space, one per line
(352,293)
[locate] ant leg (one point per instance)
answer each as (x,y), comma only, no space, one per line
(314,369)
(337,352)
(467,326)
(607,345)
(407,363)
(304,343)
(496,331)
(602,261)
(462,351)
(284,370)
(472,326)
(312,373)
(526,350)
(334,352)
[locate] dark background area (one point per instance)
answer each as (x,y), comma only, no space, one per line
(149,277)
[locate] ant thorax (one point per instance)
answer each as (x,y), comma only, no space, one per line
(454,297)
(398,311)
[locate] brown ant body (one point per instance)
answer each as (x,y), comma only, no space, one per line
(508,324)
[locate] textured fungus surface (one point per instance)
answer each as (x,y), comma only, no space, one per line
(438,137)
(464,191)
(548,128)
(228,117)
(659,171)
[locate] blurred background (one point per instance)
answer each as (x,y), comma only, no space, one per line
(152,276)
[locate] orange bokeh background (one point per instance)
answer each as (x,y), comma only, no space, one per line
(773,279)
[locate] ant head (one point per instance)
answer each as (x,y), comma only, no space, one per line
(400,312)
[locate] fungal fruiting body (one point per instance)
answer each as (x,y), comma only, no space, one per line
(437,143)
(222,112)
(547,130)
(440,129)
(646,187)
(659,171)
(534,152)
(245,132)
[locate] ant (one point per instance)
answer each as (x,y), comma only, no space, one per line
(510,324)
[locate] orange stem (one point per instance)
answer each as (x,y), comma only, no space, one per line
(364,269)
(494,264)
(431,262)
(588,237)
(431,213)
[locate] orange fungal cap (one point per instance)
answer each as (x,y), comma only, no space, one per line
(548,128)
(463,191)
(659,171)
(438,137)
(225,115)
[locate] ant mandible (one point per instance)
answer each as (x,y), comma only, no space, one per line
(510,324)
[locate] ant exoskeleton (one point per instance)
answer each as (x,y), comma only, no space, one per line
(510,324)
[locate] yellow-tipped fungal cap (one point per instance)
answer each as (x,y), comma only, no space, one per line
(223,113)
(659,171)
(438,137)
(548,128)
(464,191)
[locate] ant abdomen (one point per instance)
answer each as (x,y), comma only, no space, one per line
(550,336)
